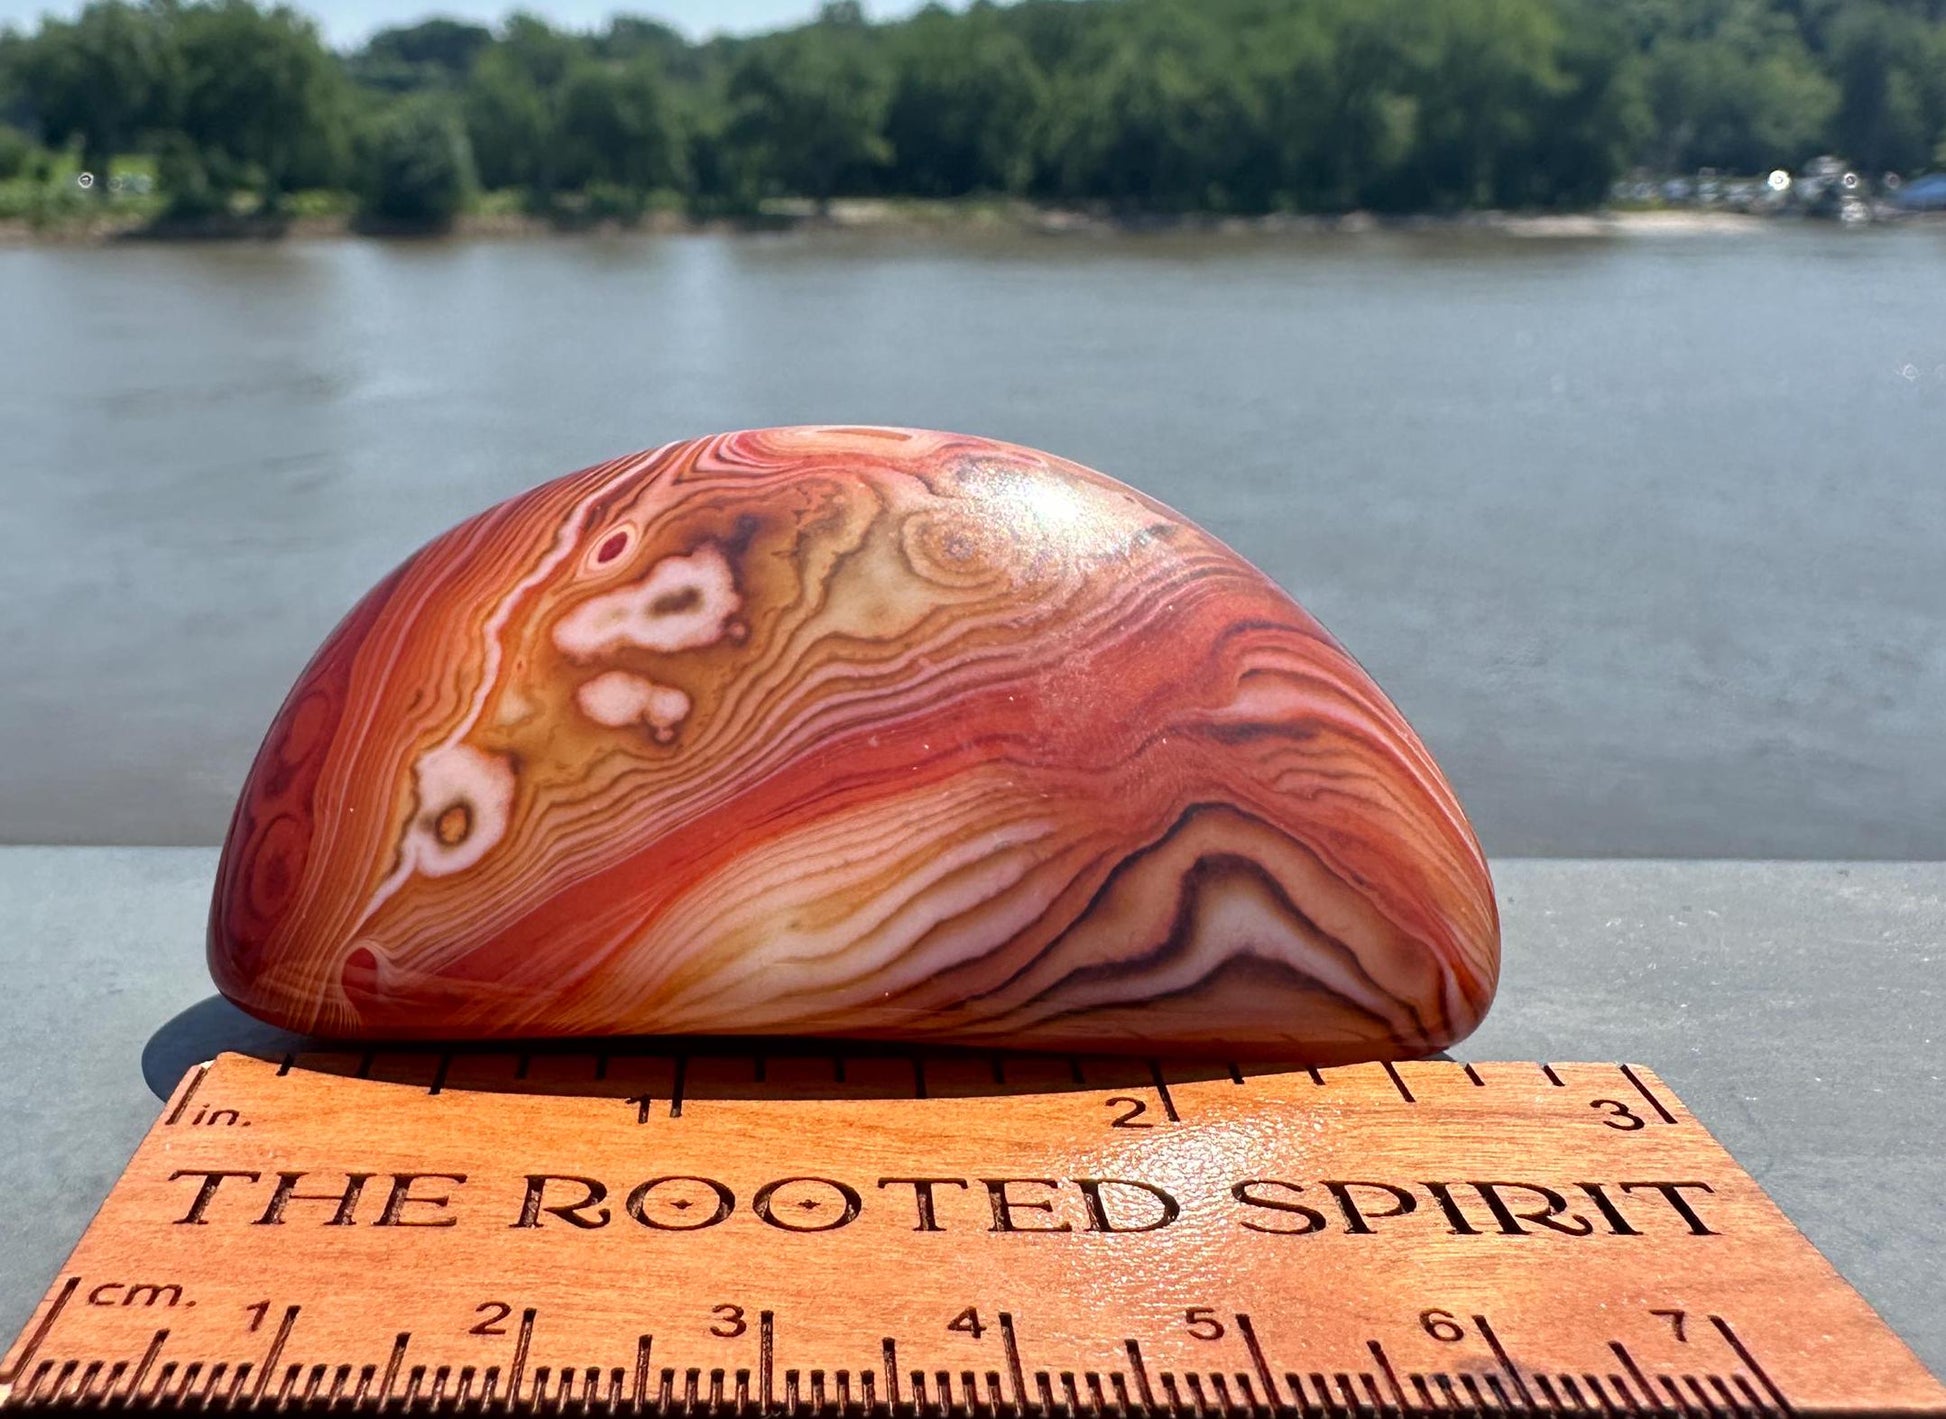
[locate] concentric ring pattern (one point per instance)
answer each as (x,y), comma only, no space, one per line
(848,731)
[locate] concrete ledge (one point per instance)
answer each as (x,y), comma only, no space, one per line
(1797,1007)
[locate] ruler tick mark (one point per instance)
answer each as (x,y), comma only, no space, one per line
(1236,1074)
(1015,1371)
(1635,1373)
(40,1331)
(61,1380)
(1398,1083)
(1474,1075)
(392,1365)
(1316,1078)
(766,1356)
(1743,1354)
(1385,1368)
(1506,1361)
(41,1374)
(188,1093)
(1552,1077)
(1661,1112)
(523,1338)
(1141,1372)
(439,1075)
(142,1367)
(276,1351)
(676,1088)
(1162,1092)
(1248,1331)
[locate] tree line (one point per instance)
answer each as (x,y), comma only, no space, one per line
(1227,106)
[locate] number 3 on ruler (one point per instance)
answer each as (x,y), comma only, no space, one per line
(1618,1115)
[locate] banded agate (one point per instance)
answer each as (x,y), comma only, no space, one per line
(851,732)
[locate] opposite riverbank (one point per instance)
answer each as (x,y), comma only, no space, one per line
(875,215)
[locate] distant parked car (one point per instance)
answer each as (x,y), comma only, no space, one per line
(1923,194)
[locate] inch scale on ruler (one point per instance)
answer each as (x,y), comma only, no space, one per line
(882,1232)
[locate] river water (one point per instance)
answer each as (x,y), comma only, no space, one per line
(1645,534)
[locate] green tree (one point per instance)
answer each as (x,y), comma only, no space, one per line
(414,166)
(1730,106)
(1484,77)
(632,37)
(184,176)
(1166,119)
(618,126)
(16,149)
(1733,84)
(1338,84)
(808,111)
(264,102)
(433,54)
(1881,62)
(100,79)
(513,105)
(1598,118)
(965,110)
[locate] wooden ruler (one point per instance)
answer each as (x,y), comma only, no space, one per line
(888,1233)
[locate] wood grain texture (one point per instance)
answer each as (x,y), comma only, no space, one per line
(860,732)
(877,1233)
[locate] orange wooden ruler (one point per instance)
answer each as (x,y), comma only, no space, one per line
(887,1233)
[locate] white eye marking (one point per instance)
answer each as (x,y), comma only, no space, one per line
(618,698)
(682,604)
(464,797)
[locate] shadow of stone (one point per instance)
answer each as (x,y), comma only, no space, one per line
(675,1067)
(203,1031)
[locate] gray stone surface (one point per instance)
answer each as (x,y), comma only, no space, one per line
(1796,1007)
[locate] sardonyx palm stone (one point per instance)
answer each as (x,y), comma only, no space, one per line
(850,732)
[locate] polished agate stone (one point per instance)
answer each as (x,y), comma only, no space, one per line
(850,732)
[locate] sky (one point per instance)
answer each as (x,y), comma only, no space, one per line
(347,22)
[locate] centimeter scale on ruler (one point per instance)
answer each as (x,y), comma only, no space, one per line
(827,1230)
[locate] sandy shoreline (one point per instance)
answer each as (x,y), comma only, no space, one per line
(916,218)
